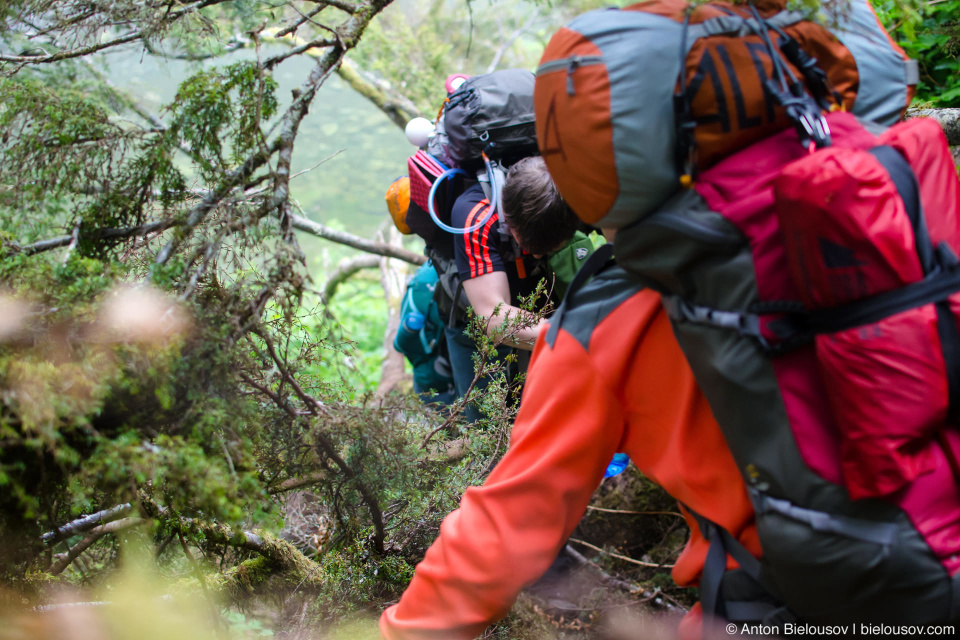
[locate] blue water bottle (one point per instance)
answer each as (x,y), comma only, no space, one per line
(414,321)
(617,465)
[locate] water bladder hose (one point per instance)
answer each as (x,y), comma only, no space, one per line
(494,199)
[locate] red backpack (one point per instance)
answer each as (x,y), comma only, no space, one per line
(814,295)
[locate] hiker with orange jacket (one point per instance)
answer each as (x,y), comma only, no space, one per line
(607,376)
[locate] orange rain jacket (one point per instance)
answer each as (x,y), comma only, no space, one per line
(610,378)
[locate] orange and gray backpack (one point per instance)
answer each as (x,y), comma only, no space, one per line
(805,246)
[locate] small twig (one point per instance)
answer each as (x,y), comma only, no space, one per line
(513,38)
(296,24)
(316,43)
(198,572)
(306,398)
(330,157)
(309,18)
(607,578)
(636,513)
(641,563)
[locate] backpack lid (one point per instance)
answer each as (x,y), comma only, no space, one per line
(491,113)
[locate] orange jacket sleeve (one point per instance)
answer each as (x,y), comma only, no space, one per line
(507,532)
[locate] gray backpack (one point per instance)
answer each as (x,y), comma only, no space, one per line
(491,113)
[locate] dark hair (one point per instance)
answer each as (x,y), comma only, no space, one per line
(534,209)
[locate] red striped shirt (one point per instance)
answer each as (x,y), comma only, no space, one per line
(475,242)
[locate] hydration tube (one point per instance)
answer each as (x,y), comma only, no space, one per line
(494,200)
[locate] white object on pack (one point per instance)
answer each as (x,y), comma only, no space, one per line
(419,131)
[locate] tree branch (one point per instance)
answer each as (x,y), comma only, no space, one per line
(344,271)
(292,484)
(170,17)
(346,7)
(73,53)
(86,523)
(299,22)
(93,536)
(279,554)
(98,234)
(342,237)
(398,108)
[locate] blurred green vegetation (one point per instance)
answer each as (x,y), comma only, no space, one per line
(930,33)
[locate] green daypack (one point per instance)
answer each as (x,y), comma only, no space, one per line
(420,335)
(566,262)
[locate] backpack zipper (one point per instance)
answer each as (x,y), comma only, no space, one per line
(571,64)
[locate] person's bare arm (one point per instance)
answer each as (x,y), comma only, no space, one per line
(488,291)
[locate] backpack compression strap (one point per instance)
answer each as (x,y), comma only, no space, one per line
(766,610)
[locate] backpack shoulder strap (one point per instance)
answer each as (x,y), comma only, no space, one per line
(601,258)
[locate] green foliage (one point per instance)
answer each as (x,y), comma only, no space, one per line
(220,106)
(930,33)
(353,576)
(55,143)
(354,332)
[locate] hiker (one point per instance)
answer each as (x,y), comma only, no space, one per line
(607,376)
(485,126)
(543,225)
(804,242)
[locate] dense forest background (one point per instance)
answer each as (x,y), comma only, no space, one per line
(204,430)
